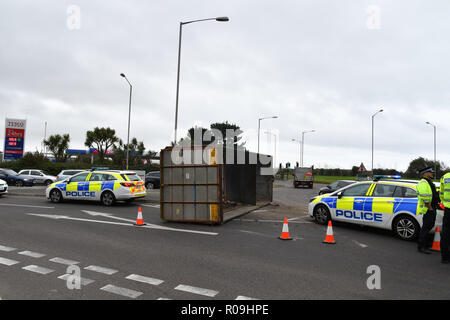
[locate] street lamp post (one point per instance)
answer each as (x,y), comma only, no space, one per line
(303,143)
(435,164)
(129,116)
(275,151)
(222,19)
(381,110)
(259,126)
(300,148)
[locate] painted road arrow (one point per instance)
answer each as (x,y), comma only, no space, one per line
(130,223)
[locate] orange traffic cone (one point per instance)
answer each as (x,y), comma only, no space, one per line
(329,237)
(437,241)
(285,231)
(139,220)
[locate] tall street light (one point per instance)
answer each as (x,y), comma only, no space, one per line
(275,152)
(303,143)
(259,125)
(129,115)
(221,19)
(300,148)
(435,164)
(381,110)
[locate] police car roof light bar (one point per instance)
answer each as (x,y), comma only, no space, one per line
(380,176)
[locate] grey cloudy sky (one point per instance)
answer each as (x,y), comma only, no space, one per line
(323,65)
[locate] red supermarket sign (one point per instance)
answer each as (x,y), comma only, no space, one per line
(14,138)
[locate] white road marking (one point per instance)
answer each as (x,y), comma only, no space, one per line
(101,270)
(84,281)
(63,261)
(131,224)
(8,262)
(200,291)
(151,205)
(244,298)
(362,245)
(261,210)
(24,205)
(121,291)
(163,299)
(31,254)
(7,249)
(276,221)
(37,269)
(143,279)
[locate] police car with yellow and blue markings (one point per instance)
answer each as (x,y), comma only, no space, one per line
(106,186)
(386,204)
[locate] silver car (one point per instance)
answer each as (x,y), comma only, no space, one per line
(3,187)
(39,176)
(67,174)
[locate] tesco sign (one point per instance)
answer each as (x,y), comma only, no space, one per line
(14,138)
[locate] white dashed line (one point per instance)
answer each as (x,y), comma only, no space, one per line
(136,277)
(163,299)
(244,298)
(152,205)
(37,269)
(7,249)
(101,270)
(8,262)
(201,291)
(63,261)
(121,291)
(84,281)
(31,254)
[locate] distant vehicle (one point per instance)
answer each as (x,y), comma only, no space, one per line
(335,186)
(106,186)
(3,187)
(303,176)
(12,178)
(67,174)
(152,180)
(39,176)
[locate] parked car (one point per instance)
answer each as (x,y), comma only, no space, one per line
(12,178)
(152,180)
(39,176)
(106,186)
(335,186)
(3,187)
(67,174)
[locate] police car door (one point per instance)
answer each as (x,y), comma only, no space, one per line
(95,185)
(351,203)
(76,186)
(382,204)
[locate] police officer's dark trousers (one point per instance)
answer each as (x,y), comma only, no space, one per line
(445,236)
(428,220)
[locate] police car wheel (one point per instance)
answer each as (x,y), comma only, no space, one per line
(108,198)
(406,228)
(321,214)
(55,196)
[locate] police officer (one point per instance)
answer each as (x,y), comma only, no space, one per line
(428,202)
(444,193)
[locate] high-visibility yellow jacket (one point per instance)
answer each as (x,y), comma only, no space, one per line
(444,190)
(425,195)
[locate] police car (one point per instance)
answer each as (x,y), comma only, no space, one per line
(386,204)
(104,186)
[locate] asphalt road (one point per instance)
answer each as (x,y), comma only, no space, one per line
(241,259)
